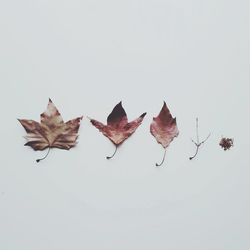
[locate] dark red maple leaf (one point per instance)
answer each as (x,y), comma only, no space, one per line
(164,129)
(118,129)
(52,132)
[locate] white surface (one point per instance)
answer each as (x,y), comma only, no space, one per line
(87,56)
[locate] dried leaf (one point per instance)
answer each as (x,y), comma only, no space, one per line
(52,131)
(197,143)
(118,129)
(226,143)
(164,128)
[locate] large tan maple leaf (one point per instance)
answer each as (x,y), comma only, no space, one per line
(118,129)
(52,131)
(164,128)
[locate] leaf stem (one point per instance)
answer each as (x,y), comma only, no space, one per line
(198,143)
(38,160)
(109,157)
(156,164)
(197,131)
(197,149)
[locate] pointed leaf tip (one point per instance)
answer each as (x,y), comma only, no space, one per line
(118,106)
(117,115)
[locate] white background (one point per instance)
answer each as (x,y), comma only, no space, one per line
(87,55)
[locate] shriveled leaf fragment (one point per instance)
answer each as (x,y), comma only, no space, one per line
(164,128)
(118,129)
(52,131)
(226,143)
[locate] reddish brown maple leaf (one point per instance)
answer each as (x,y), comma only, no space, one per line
(226,143)
(164,129)
(118,129)
(52,132)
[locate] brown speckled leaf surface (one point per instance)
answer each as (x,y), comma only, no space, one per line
(118,129)
(52,131)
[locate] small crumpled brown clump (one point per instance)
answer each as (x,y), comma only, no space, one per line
(226,143)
